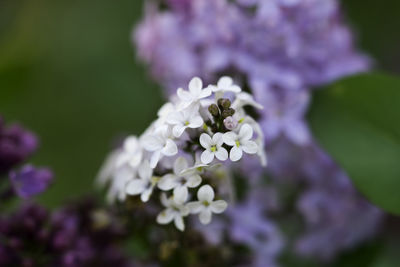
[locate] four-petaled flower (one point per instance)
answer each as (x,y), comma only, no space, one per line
(195,93)
(131,154)
(161,144)
(144,184)
(225,84)
(174,212)
(184,119)
(179,180)
(240,142)
(206,205)
(213,148)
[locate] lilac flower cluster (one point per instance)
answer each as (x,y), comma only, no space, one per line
(77,235)
(279,50)
(16,146)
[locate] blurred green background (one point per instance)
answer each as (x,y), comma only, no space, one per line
(68,72)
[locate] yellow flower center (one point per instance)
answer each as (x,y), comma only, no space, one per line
(206,203)
(237,143)
(213,148)
(186,123)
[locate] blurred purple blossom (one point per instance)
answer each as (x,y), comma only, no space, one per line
(280,50)
(30,181)
(16,145)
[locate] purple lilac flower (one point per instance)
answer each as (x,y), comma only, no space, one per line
(16,145)
(30,181)
(281,50)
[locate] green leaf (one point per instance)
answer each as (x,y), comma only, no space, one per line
(357,120)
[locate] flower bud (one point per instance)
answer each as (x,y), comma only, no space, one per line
(224,103)
(213,109)
(228,112)
(230,123)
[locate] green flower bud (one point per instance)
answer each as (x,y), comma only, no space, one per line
(224,103)
(228,112)
(213,109)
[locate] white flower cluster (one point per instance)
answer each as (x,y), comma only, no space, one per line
(178,153)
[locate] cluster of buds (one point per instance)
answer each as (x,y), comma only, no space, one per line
(182,151)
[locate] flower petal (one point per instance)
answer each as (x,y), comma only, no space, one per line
(155,158)
(246,132)
(250,147)
(178,130)
(180,194)
(145,196)
(193,181)
(218,206)
(205,140)
(170,148)
(145,171)
(224,82)
(205,193)
(136,187)
(217,139)
(180,164)
(205,216)
(230,138)
(207,156)
(221,154)
(165,217)
(205,93)
(236,153)
(168,182)
(195,207)
(178,220)
(184,95)
(195,122)
(152,143)
(195,86)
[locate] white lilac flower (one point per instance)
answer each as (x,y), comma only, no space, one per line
(181,120)
(180,181)
(131,154)
(195,93)
(160,143)
(225,84)
(240,142)
(206,206)
(144,184)
(174,212)
(213,148)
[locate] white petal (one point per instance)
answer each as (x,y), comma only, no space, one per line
(164,200)
(145,196)
(178,130)
(136,187)
(178,220)
(170,148)
(205,92)
(195,207)
(196,122)
(145,171)
(193,181)
(180,194)
(221,154)
(246,132)
(131,144)
(165,217)
(205,140)
(236,153)
(184,95)
(217,139)
(218,206)
(207,156)
(152,143)
(225,82)
(213,88)
(155,158)
(175,118)
(180,164)
(250,147)
(205,193)
(205,216)
(234,88)
(230,138)
(167,182)
(195,86)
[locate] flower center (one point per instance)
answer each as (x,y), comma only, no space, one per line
(213,148)
(206,203)
(186,123)
(237,143)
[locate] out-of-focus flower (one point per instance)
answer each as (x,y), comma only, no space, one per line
(174,212)
(30,181)
(16,145)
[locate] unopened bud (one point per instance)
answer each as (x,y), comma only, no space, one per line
(228,112)
(230,123)
(224,103)
(213,109)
